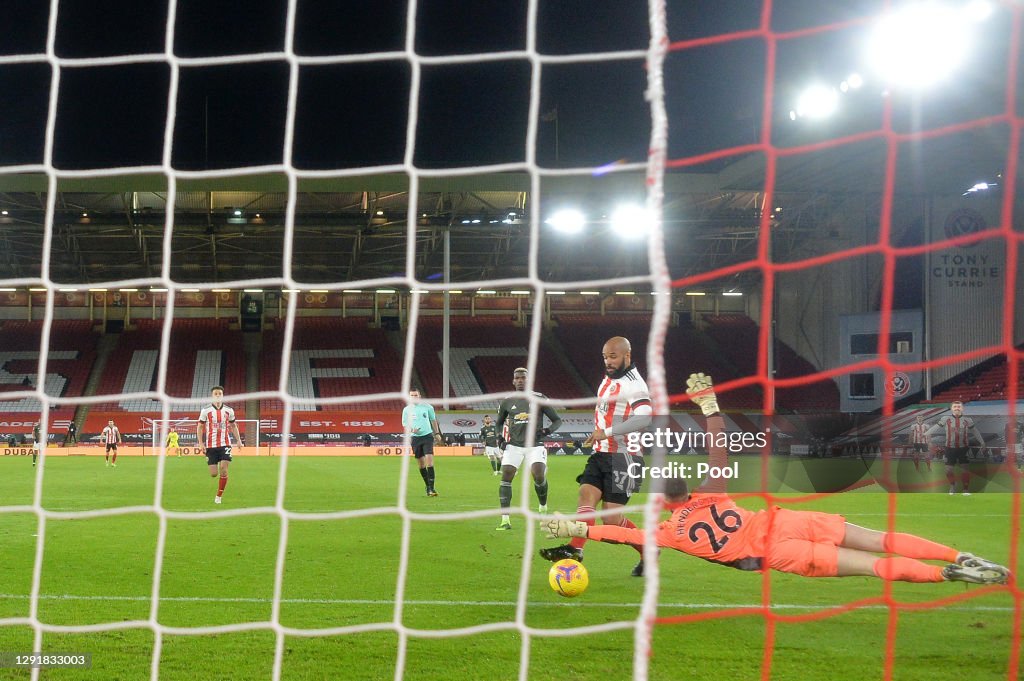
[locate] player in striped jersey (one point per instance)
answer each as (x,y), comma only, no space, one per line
(111,438)
(708,524)
(216,422)
(919,443)
(956,430)
(623,406)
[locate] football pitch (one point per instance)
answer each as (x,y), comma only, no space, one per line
(461,573)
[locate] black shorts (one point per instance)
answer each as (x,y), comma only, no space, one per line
(955,455)
(920,447)
(215,455)
(610,474)
(112,446)
(422,445)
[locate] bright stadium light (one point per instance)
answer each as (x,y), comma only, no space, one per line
(567,221)
(921,44)
(817,102)
(631,221)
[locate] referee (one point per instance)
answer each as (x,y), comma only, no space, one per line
(420,422)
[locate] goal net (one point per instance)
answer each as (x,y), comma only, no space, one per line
(186,430)
(760,228)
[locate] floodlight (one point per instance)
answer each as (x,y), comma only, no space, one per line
(817,102)
(631,221)
(919,45)
(567,221)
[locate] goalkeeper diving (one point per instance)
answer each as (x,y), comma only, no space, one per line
(708,524)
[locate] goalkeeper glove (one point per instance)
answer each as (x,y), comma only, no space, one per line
(543,432)
(702,393)
(555,528)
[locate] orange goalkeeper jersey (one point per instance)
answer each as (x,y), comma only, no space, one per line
(707,525)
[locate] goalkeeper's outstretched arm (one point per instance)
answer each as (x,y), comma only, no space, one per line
(701,390)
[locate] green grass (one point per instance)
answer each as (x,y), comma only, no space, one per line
(343,572)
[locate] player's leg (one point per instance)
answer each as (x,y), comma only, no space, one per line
(950,478)
(222,471)
(621,520)
(106,455)
(420,452)
(539,469)
(428,465)
(113,458)
(586,503)
(510,463)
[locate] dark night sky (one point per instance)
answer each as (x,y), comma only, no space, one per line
(351,115)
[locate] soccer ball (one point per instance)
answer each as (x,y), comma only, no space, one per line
(568,577)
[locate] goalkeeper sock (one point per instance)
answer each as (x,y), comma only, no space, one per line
(542,492)
(578,542)
(34,455)
(496,465)
(900,569)
(911,546)
(221,485)
(505,494)
(626,522)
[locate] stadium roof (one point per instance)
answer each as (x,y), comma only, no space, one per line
(110,228)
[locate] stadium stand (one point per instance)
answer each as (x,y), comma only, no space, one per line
(72,352)
(332,357)
(987,380)
(484,350)
(203,353)
(737,336)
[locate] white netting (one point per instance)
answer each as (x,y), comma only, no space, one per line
(657,278)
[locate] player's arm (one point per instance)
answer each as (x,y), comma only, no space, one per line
(977,435)
(935,429)
(502,415)
(555,421)
(702,393)
(234,431)
(438,439)
(610,534)
(640,417)
(201,432)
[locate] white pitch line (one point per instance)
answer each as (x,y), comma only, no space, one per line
(391,603)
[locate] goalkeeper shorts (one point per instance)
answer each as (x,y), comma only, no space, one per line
(805,543)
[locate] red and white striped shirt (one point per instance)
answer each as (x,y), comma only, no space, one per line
(957,430)
(111,435)
(917,432)
(617,398)
(218,422)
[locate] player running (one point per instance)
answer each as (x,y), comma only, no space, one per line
(624,406)
(215,422)
(111,439)
(708,524)
(516,412)
(489,436)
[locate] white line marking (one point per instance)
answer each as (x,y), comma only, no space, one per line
(511,604)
